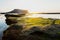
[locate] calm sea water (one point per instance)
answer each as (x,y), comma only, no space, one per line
(4,26)
(57,16)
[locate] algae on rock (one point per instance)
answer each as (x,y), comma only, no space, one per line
(36,28)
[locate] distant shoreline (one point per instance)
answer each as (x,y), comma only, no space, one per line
(31,13)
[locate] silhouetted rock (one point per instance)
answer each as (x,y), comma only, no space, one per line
(13,32)
(12,16)
(18,11)
(9,22)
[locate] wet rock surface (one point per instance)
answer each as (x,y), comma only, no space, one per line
(15,30)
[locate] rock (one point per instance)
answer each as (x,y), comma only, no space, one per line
(31,30)
(53,30)
(12,16)
(9,21)
(15,20)
(15,33)
(14,30)
(18,11)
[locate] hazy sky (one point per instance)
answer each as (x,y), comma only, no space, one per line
(31,5)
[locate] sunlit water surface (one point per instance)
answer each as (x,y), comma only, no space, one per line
(57,16)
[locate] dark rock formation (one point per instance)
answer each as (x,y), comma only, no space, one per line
(15,30)
(18,11)
(15,33)
(53,30)
(9,22)
(12,33)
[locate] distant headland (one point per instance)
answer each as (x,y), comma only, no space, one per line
(17,11)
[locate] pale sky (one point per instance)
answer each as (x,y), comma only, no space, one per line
(31,5)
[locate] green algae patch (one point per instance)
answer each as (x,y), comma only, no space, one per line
(38,21)
(57,21)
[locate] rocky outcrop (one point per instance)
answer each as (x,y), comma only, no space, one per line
(12,16)
(12,19)
(16,28)
(18,11)
(15,33)
(53,29)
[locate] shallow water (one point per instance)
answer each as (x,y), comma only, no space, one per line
(3,25)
